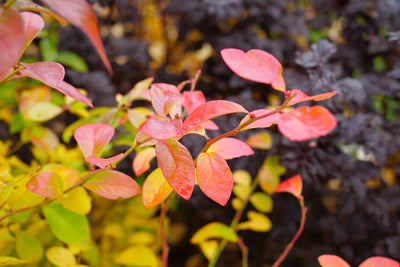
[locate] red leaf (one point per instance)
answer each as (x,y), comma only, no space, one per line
(255,65)
(379,262)
(141,162)
(163,98)
(177,166)
(47,184)
(210,110)
(162,129)
(101,162)
(332,261)
(305,123)
(293,185)
(52,74)
(214,177)
(155,189)
(92,138)
(229,148)
(261,123)
(300,96)
(80,14)
(12,36)
(33,25)
(112,184)
(191,100)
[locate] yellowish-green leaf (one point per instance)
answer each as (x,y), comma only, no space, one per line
(77,200)
(209,248)
(257,222)
(237,204)
(28,247)
(141,237)
(260,140)
(242,177)
(242,191)
(60,256)
(139,115)
(261,201)
(214,230)
(137,91)
(43,111)
(138,256)
(269,174)
(8,261)
(114,230)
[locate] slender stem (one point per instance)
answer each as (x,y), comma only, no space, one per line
(9,3)
(15,71)
(15,211)
(194,81)
(245,253)
(293,241)
(164,209)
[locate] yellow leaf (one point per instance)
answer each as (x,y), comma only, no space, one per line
(114,230)
(155,189)
(141,237)
(242,191)
(7,261)
(77,201)
(21,197)
(257,222)
(214,230)
(242,177)
(269,174)
(138,256)
(260,140)
(209,248)
(60,256)
(237,204)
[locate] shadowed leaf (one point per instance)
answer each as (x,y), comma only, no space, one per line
(141,162)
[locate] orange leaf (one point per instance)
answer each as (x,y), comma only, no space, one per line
(80,14)
(305,123)
(229,148)
(215,177)
(332,261)
(155,189)
(255,65)
(300,96)
(293,185)
(176,164)
(141,162)
(379,262)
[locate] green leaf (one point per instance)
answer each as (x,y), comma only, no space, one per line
(7,261)
(261,201)
(28,247)
(68,226)
(257,222)
(72,60)
(137,256)
(17,123)
(214,230)
(48,49)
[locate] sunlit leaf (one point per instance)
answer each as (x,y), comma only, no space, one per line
(80,14)
(257,222)
(141,162)
(306,123)
(47,184)
(28,247)
(268,117)
(260,140)
(77,201)
(68,226)
(214,230)
(379,262)
(214,177)
(162,129)
(8,261)
(261,201)
(112,184)
(155,189)
(300,96)
(142,238)
(242,177)
(269,174)
(293,185)
(332,261)
(255,65)
(52,74)
(104,162)
(60,256)
(138,256)
(92,138)
(43,111)
(11,39)
(176,164)
(237,204)
(163,97)
(229,148)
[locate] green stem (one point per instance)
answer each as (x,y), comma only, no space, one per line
(15,71)
(9,3)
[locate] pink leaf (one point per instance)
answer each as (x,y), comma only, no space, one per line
(191,100)
(80,14)
(12,37)
(293,185)
(300,96)
(52,74)
(177,166)
(47,184)
(379,262)
(214,177)
(92,138)
(101,162)
(112,184)
(332,261)
(162,129)
(269,117)
(163,98)
(229,148)
(28,5)
(255,65)
(210,110)
(33,25)
(210,125)
(141,162)
(155,189)
(305,123)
